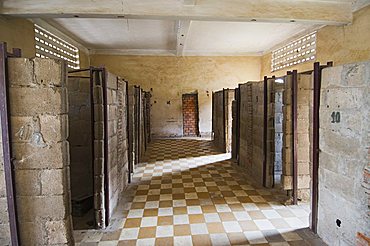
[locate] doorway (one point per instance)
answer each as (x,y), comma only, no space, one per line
(190,114)
(81,149)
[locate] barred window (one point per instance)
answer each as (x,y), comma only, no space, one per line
(296,52)
(49,45)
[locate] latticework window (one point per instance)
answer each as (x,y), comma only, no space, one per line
(49,45)
(296,52)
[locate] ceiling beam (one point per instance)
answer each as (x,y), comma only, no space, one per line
(277,11)
(183,27)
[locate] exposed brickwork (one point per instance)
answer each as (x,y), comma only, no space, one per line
(39,120)
(251,129)
(304,123)
(99,206)
(218,120)
(190,114)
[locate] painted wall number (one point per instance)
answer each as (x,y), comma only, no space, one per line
(335,117)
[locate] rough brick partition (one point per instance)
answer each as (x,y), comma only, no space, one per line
(218,120)
(251,128)
(246,125)
(222,119)
(270,134)
(343,209)
(190,114)
(304,126)
(234,129)
(143,133)
(39,121)
(110,144)
(117,139)
(99,179)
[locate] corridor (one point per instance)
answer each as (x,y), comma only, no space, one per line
(187,193)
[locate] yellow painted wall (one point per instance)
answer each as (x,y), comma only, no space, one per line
(84,60)
(340,44)
(18,33)
(170,77)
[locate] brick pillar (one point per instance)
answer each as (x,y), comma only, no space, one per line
(39,121)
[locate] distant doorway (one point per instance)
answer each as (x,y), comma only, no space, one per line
(190,114)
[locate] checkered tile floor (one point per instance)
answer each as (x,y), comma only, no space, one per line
(187,193)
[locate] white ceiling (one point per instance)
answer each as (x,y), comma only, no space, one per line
(185,27)
(146,37)
(121,33)
(237,37)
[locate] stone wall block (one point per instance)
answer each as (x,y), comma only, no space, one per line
(99,148)
(50,71)
(53,156)
(40,129)
(111,81)
(99,130)
(24,102)
(98,112)
(99,166)
(32,233)
(98,95)
(28,182)
(20,72)
(53,182)
(46,207)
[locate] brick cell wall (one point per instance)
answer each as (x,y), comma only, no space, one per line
(246,114)
(142,109)
(79,116)
(233,129)
(4,219)
(38,99)
(190,114)
(218,127)
(251,128)
(117,139)
(270,138)
(131,125)
(304,126)
(344,155)
(99,194)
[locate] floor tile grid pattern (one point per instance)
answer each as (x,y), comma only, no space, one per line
(187,193)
